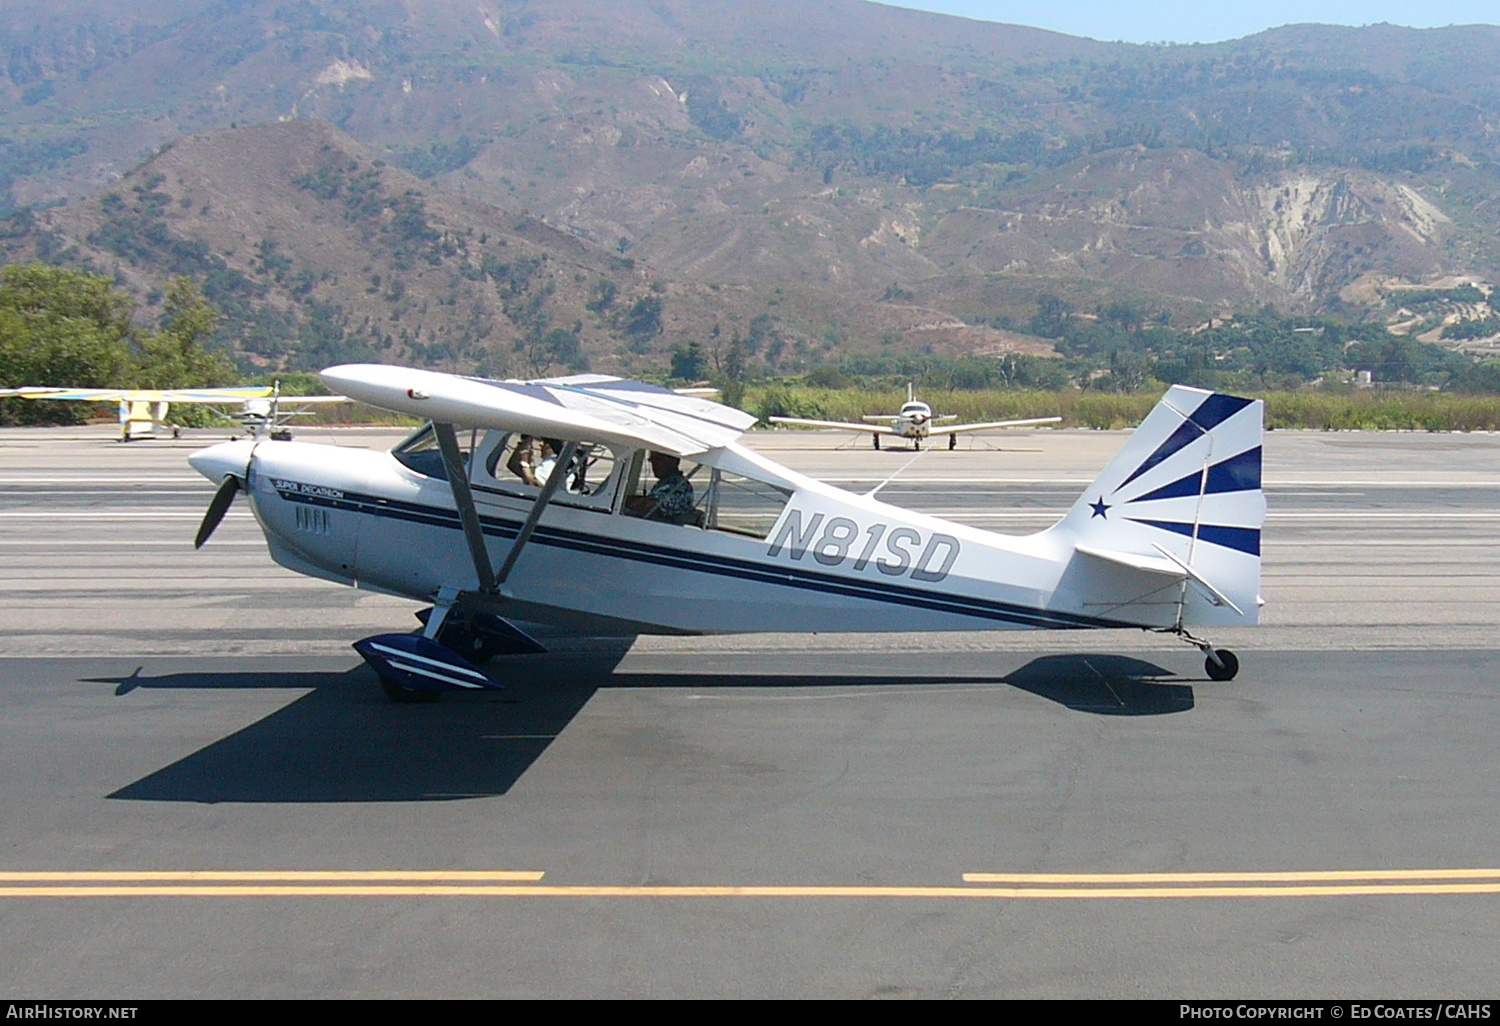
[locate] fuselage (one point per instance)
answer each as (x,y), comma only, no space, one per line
(767,550)
(914,420)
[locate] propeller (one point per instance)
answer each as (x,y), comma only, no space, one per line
(217,507)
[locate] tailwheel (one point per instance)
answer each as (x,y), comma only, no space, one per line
(407,696)
(1226,666)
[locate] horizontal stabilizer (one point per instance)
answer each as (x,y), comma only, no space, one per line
(1136,561)
(1165,565)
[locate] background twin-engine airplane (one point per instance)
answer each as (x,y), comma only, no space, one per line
(262,409)
(644,514)
(915,421)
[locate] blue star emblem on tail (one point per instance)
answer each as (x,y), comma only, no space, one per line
(1099,508)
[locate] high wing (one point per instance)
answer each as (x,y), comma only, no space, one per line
(583,406)
(262,408)
(874,429)
(144,395)
(959,429)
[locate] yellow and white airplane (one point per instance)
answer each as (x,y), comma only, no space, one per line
(262,408)
(915,421)
(653,518)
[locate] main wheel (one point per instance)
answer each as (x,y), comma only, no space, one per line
(1230,665)
(470,644)
(408,696)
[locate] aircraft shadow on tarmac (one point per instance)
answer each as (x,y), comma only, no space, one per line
(344,742)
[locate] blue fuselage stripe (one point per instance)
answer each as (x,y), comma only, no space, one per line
(724,566)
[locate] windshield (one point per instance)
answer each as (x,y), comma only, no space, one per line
(420,453)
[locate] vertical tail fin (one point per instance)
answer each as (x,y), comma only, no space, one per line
(1170,530)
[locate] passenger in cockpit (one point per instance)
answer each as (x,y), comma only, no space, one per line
(534,459)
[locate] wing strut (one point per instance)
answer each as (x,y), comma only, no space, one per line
(561,468)
(463,499)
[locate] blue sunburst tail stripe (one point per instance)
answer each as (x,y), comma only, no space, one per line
(1241,539)
(1185,435)
(1212,412)
(1239,473)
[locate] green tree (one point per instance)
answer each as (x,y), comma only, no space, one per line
(60,327)
(689,362)
(176,355)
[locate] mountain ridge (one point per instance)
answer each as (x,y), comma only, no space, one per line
(890,169)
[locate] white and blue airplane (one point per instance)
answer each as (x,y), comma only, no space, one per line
(915,421)
(653,518)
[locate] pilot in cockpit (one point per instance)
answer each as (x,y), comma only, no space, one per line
(671,499)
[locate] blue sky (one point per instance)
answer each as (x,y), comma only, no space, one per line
(1207,21)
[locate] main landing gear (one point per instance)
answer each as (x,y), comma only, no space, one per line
(462,634)
(458,635)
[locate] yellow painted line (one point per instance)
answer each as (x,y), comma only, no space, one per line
(1292,876)
(690,891)
(256,875)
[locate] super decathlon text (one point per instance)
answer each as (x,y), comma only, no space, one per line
(299,488)
(70,1011)
(841,539)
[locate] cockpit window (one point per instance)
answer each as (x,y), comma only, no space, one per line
(420,453)
(678,491)
(519,465)
(743,505)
